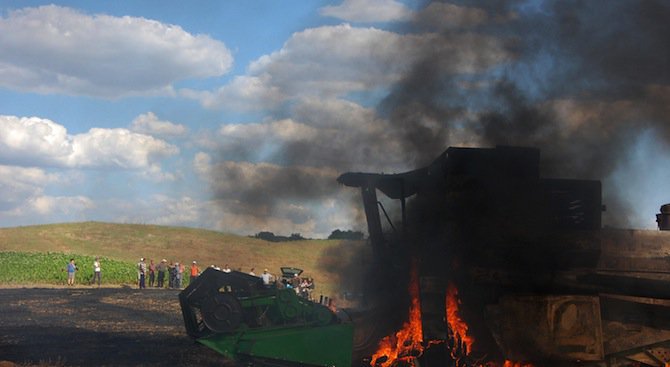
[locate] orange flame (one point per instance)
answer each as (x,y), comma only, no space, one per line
(407,343)
(509,363)
(456,324)
(464,342)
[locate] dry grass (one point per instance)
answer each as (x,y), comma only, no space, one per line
(129,242)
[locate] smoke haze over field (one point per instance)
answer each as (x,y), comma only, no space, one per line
(133,113)
(582,81)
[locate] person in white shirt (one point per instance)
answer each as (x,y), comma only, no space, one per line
(96,271)
(267,278)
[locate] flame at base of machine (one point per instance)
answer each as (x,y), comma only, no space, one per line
(403,347)
(461,342)
(458,327)
(509,363)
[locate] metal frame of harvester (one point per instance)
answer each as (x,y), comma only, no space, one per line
(540,281)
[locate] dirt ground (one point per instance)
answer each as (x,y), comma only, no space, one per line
(97,327)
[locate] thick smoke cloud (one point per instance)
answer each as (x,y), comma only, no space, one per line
(582,81)
(585,79)
(618,47)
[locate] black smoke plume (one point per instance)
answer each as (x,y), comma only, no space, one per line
(581,82)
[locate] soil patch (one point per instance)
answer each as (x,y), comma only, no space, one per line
(97,327)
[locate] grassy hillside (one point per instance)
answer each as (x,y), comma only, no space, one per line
(128,242)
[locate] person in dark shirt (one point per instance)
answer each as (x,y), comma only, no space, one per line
(152,273)
(162,267)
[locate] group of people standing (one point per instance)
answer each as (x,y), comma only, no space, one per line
(303,286)
(156,274)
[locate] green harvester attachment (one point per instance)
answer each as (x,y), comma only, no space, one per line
(237,316)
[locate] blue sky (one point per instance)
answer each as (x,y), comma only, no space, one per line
(239,115)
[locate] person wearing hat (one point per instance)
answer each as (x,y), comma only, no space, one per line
(267,278)
(141,272)
(194,271)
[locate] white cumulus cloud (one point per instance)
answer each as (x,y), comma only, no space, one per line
(333,61)
(25,199)
(65,205)
(368,11)
(243,93)
(117,148)
(18,184)
(54,49)
(150,124)
(177,211)
(32,141)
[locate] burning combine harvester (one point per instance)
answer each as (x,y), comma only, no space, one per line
(487,264)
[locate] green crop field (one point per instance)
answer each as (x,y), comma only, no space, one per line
(49,268)
(39,254)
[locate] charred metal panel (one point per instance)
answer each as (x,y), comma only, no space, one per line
(494,163)
(663,218)
(575,204)
(548,328)
(374,223)
(433,307)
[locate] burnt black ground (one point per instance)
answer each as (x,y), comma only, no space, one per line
(97,327)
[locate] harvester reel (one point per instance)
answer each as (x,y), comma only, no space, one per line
(222,313)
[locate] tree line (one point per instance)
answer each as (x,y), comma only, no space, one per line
(335,235)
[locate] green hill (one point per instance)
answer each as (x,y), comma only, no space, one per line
(321,259)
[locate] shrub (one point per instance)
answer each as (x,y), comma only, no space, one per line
(346,235)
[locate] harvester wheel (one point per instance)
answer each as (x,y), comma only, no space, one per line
(222,312)
(285,295)
(289,311)
(323,316)
(289,305)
